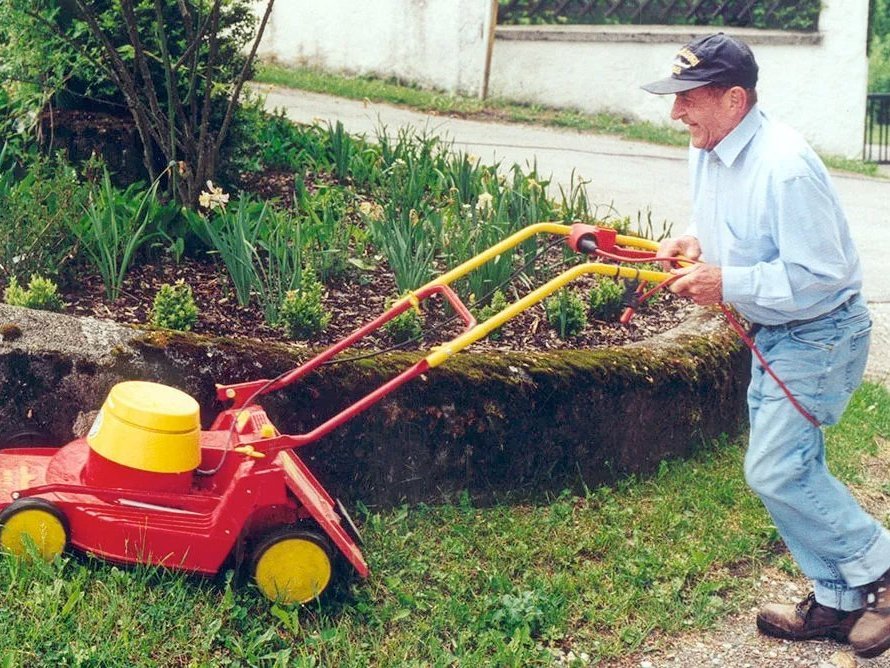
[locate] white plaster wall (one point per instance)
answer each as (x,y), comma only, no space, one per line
(434,43)
(819,89)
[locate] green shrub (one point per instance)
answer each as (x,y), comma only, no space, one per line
(606,298)
(566,313)
(405,327)
(302,314)
(497,304)
(36,204)
(42,293)
(174,307)
(879,65)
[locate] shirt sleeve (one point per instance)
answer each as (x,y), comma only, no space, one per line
(811,262)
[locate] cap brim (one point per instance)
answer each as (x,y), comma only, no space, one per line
(670,85)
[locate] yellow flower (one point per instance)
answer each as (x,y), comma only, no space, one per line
(371,210)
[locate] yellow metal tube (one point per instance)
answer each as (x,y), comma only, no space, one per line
(636,242)
(446,350)
(513,240)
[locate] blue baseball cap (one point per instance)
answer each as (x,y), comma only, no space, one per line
(713,59)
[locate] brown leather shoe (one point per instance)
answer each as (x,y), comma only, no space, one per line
(808,620)
(871,634)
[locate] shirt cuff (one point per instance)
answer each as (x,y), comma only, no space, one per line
(738,284)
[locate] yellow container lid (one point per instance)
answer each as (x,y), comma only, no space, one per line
(148,427)
(153,406)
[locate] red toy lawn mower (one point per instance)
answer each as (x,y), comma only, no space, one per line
(147,485)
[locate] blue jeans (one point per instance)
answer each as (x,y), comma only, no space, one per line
(835,542)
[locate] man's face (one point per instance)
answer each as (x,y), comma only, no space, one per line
(707,112)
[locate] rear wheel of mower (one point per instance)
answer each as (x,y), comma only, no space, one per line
(33,527)
(293,565)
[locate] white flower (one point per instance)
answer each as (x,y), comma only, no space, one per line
(215,198)
(484,202)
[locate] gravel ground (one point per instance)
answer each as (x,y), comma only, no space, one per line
(735,643)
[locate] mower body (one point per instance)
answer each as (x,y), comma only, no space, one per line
(133,513)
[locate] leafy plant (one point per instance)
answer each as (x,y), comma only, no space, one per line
(566,313)
(278,261)
(302,314)
(36,205)
(341,148)
(409,243)
(174,307)
(42,293)
(114,227)
(326,229)
(233,232)
(178,66)
(606,298)
(405,327)
(497,304)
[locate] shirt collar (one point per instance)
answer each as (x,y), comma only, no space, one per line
(732,144)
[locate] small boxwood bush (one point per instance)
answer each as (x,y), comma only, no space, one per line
(42,293)
(606,298)
(174,307)
(566,313)
(302,314)
(405,327)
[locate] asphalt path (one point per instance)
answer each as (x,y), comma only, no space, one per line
(624,177)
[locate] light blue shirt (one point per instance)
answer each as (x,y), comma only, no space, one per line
(765,211)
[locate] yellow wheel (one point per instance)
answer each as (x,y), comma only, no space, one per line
(293,566)
(33,526)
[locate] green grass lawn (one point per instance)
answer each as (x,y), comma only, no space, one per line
(507,585)
(396,92)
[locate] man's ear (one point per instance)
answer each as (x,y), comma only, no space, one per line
(738,98)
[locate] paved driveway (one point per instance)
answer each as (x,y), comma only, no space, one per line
(628,176)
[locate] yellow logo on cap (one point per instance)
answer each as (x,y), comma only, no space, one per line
(684,60)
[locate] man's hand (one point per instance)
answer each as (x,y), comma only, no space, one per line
(686,246)
(702,283)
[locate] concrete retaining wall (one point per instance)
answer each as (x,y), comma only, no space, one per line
(494,425)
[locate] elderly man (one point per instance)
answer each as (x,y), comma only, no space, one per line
(769,237)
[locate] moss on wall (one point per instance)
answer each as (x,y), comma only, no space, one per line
(493,424)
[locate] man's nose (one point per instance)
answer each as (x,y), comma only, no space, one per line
(677,109)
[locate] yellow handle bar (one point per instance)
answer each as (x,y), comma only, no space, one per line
(446,350)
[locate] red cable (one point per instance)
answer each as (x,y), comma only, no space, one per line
(737,326)
(733,321)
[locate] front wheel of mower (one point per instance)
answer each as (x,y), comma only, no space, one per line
(293,565)
(33,526)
